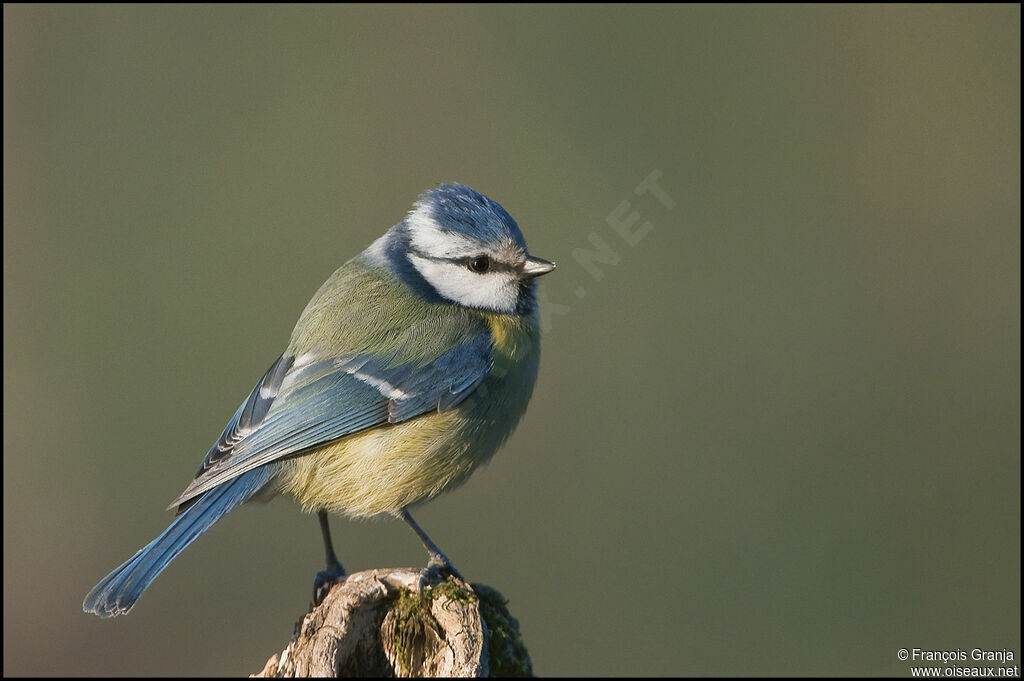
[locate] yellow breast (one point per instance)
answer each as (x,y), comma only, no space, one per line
(387,468)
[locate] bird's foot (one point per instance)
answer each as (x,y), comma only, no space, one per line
(325,580)
(438,569)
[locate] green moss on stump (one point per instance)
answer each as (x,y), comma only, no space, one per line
(508,654)
(413,635)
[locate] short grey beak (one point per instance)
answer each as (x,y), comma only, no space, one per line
(534,267)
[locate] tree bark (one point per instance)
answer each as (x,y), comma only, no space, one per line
(379,623)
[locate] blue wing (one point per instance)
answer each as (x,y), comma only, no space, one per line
(301,403)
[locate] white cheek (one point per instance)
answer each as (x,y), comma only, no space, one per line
(496,291)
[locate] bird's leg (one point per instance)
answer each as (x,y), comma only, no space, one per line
(438,561)
(334,572)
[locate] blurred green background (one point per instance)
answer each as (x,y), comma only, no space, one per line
(780,435)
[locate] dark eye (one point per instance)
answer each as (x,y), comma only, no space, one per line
(479,264)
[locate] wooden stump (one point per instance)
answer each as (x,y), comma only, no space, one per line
(376,623)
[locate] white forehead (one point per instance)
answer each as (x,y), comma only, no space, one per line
(427,236)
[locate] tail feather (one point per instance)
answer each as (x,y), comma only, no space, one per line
(117,592)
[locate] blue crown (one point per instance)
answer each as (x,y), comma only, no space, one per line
(457,208)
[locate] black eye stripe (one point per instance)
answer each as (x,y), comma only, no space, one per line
(493,265)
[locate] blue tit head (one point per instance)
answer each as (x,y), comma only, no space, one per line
(459,246)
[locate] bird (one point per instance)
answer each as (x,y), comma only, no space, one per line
(406,371)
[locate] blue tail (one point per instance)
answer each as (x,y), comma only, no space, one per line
(118,591)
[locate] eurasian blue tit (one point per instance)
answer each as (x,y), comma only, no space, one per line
(406,371)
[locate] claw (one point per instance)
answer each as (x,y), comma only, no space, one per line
(440,562)
(438,569)
(325,581)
